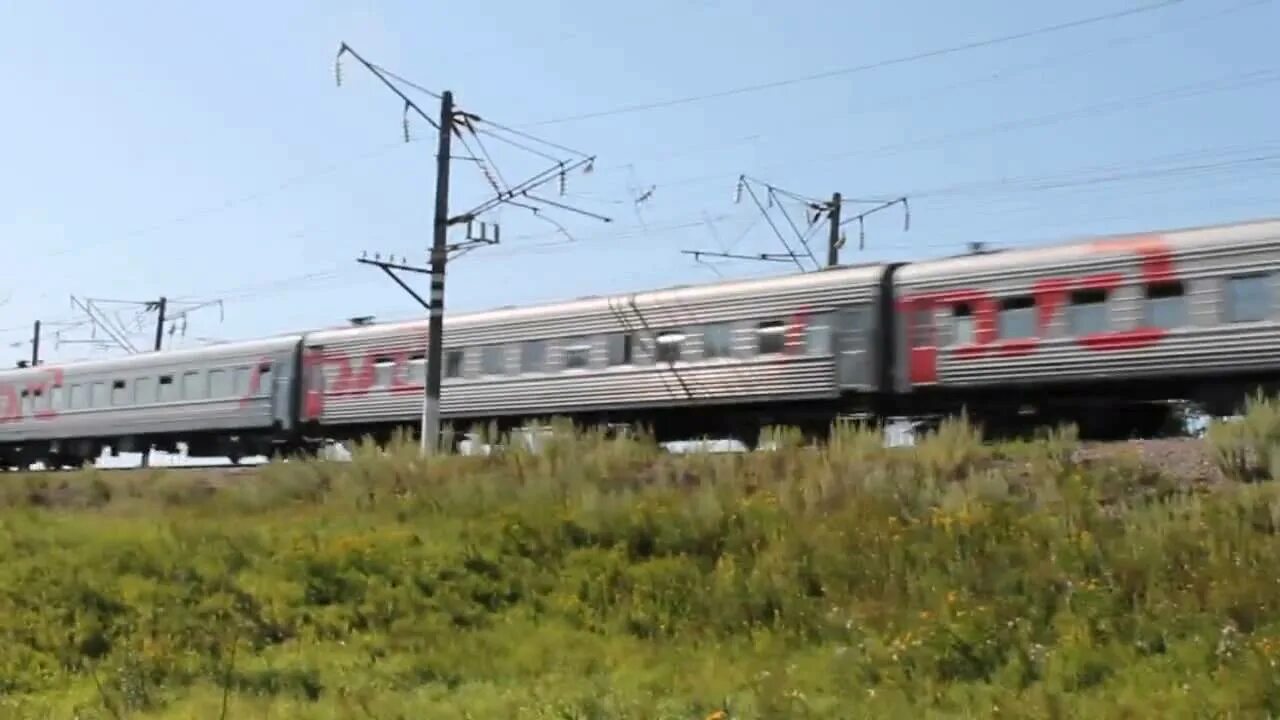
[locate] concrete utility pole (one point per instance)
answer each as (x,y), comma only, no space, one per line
(121,333)
(160,308)
(833,241)
(838,242)
(161,305)
(439,257)
(453,121)
(818,208)
(35,345)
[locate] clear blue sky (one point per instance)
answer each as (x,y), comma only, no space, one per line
(204,151)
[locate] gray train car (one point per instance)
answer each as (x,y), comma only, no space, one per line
(233,400)
(1112,326)
(718,357)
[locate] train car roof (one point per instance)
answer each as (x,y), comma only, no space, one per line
(1074,250)
(163,357)
(868,273)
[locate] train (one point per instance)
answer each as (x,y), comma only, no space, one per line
(1110,333)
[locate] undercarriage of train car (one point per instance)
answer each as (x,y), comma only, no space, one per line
(1106,410)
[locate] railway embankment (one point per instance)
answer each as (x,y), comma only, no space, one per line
(604,578)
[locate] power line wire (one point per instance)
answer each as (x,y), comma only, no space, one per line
(230,204)
(1008,185)
(744,89)
(533,138)
(1181,92)
(410,83)
(929,95)
(1116,174)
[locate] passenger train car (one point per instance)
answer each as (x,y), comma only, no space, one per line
(1100,332)
(687,360)
(233,400)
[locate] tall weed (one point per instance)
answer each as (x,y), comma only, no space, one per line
(1248,449)
(601,577)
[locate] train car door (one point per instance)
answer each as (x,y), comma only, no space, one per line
(263,381)
(272,385)
(312,384)
(922,340)
(849,341)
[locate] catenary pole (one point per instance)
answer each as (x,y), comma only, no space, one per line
(452,121)
(439,257)
(160,322)
(833,241)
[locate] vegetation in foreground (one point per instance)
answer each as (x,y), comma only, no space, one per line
(604,579)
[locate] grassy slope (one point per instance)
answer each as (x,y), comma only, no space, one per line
(602,580)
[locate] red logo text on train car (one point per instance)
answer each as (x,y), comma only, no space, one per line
(1049,296)
(11,397)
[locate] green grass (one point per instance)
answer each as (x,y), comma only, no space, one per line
(603,579)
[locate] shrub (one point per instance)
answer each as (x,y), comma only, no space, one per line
(1248,449)
(602,578)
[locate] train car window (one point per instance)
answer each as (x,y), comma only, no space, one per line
(77,397)
(667,346)
(26,403)
(717,341)
(316,380)
(168,391)
(920,331)
(220,384)
(577,353)
(145,390)
(418,367)
(771,337)
(120,393)
(620,349)
(241,382)
(1165,305)
(383,367)
(1248,298)
(452,364)
(56,397)
(963,326)
(491,359)
(1018,317)
(100,396)
(533,356)
(817,336)
(191,387)
(1087,313)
